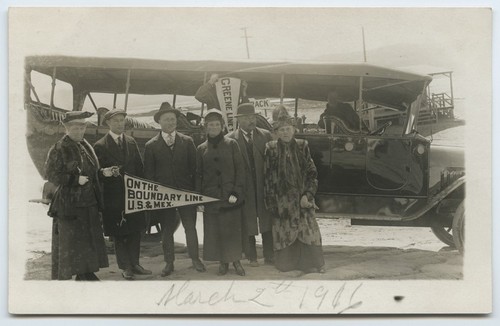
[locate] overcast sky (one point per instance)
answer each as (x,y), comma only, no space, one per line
(293,34)
(435,39)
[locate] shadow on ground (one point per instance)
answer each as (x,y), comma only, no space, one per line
(342,263)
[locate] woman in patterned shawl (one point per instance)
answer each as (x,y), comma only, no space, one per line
(290,185)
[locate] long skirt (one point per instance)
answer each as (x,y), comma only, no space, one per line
(78,245)
(222,236)
(299,256)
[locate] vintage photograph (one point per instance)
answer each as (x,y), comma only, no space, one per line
(250,160)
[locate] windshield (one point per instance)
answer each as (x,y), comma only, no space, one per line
(412,116)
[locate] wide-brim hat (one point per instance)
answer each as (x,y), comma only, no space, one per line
(76,117)
(214,114)
(245,109)
(102,110)
(283,122)
(282,118)
(165,108)
(113,113)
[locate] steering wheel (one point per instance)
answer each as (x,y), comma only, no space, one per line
(380,131)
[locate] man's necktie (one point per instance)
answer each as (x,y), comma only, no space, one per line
(249,138)
(170,140)
(119,142)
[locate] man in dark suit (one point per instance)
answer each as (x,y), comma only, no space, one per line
(252,142)
(118,153)
(170,159)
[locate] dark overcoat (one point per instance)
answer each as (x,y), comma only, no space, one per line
(177,167)
(62,168)
(220,174)
(254,206)
(130,161)
(77,236)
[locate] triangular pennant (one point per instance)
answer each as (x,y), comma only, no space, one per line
(145,195)
(228,94)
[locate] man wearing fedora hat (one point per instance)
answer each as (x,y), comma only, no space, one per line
(252,141)
(118,154)
(170,159)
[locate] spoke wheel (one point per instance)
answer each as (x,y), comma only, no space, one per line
(444,234)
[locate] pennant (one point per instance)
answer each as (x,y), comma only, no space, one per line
(228,94)
(146,195)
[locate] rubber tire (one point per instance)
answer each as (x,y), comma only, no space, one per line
(458,228)
(441,233)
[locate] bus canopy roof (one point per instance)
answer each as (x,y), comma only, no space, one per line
(311,81)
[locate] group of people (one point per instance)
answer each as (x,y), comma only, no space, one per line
(265,181)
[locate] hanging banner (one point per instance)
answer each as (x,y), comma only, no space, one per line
(263,104)
(228,94)
(146,195)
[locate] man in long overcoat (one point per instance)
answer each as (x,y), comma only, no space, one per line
(170,159)
(252,141)
(118,154)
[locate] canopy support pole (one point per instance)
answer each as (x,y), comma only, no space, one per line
(359,105)
(92,101)
(114,101)
(79,98)
(53,87)
(452,98)
(203,104)
(282,94)
(174,100)
(127,87)
(32,88)
(296,106)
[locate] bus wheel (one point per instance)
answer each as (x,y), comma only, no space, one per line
(444,234)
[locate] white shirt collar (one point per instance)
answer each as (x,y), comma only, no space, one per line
(247,134)
(115,136)
(165,134)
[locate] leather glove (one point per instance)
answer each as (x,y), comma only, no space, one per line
(83,180)
(305,203)
(107,172)
(116,171)
(232,199)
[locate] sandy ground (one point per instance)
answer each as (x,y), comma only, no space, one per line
(351,252)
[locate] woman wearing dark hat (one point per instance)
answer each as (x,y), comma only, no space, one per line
(220,174)
(78,246)
(290,184)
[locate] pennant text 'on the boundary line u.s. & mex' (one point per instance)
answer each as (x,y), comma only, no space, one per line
(142,194)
